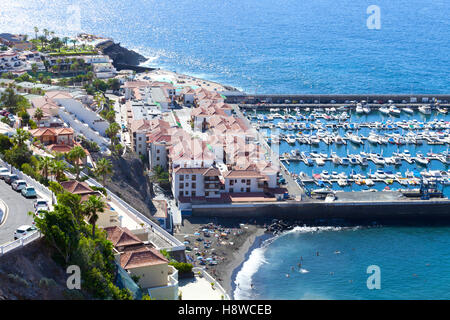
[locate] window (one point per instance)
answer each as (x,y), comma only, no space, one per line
(193,193)
(157,158)
(180,193)
(231,190)
(157,151)
(242,180)
(207,193)
(181,185)
(181,177)
(187,184)
(248,189)
(186,193)
(194,177)
(193,185)
(248,182)
(140,139)
(231,182)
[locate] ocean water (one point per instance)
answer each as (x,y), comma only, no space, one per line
(413,264)
(289,46)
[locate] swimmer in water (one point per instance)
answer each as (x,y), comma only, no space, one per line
(337,252)
(317,253)
(287,275)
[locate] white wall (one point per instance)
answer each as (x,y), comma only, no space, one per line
(94,120)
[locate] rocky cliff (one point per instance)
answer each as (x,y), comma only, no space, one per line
(123,58)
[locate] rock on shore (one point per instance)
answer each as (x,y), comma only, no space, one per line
(123,58)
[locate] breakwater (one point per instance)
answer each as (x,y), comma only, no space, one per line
(291,100)
(392,210)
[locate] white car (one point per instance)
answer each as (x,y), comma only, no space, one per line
(18,185)
(22,231)
(40,204)
(4,172)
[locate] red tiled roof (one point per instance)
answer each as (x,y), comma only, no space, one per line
(141,257)
(122,237)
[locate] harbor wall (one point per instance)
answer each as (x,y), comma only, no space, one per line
(386,210)
(243,98)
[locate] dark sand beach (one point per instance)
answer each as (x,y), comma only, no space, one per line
(228,251)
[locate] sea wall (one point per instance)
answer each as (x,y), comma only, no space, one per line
(386,210)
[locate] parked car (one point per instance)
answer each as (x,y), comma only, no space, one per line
(22,231)
(18,185)
(40,204)
(10,178)
(29,192)
(4,172)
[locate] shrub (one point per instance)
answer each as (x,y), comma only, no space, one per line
(182,267)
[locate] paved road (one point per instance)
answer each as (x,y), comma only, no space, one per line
(18,212)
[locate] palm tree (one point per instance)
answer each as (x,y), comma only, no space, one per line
(75,156)
(65,40)
(104,169)
(36,30)
(91,207)
(20,137)
(38,114)
(45,164)
(73,41)
(57,169)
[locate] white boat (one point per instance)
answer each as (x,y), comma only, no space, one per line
(369,182)
(325,175)
(380,174)
(342,182)
(384,110)
(336,159)
(367,109)
(319,161)
(421,159)
(373,138)
(359,108)
(442,110)
(378,160)
(339,140)
(290,139)
(394,111)
(425,109)
(408,110)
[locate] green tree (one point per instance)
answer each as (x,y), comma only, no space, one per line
(91,208)
(38,114)
(45,164)
(103,169)
(75,156)
(36,30)
(20,137)
(57,169)
(5,143)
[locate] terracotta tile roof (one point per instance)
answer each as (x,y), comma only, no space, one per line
(58,95)
(141,257)
(211,172)
(243,174)
(122,236)
(77,187)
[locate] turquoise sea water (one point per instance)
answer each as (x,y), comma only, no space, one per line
(413,262)
(292,46)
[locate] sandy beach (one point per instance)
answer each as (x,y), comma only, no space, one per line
(227,251)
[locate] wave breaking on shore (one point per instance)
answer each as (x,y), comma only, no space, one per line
(243,281)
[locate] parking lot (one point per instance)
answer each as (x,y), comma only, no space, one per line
(19,207)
